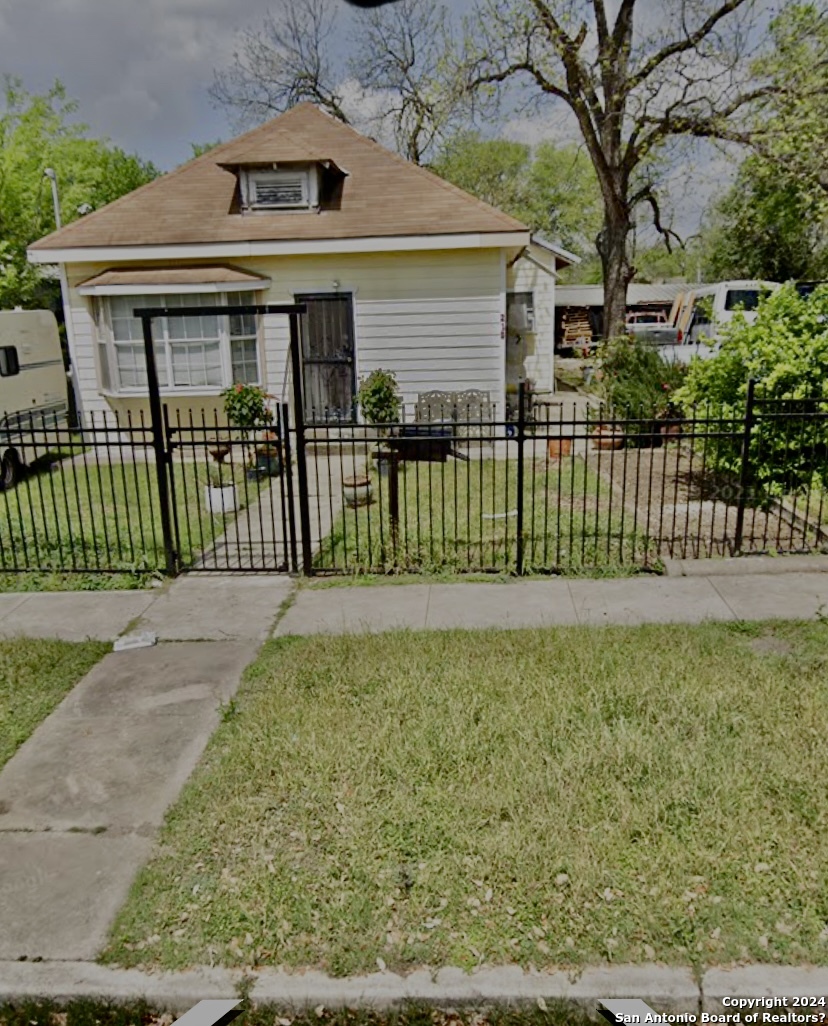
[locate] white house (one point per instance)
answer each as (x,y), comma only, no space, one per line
(399,269)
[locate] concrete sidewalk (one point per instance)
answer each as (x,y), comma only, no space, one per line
(227,606)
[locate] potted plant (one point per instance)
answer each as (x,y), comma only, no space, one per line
(267,455)
(220,495)
(607,435)
(358,491)
(380,404)
(246,406)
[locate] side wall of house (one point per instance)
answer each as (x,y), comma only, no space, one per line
(525,276)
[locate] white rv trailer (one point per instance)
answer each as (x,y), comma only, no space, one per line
(33,390)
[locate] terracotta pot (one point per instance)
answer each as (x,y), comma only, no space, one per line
(559,447)
(607,436)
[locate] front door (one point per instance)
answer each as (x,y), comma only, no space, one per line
(328,378)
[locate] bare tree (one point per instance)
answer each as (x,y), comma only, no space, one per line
(408,52)
(689,70)
(284,61)
(404,60)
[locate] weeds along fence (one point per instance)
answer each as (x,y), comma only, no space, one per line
(559,489)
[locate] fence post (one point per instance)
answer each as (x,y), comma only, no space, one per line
(744,470)
(521,434)
(299,428)
(158,444)
(287,470)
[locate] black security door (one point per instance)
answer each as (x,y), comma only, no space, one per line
(328,358)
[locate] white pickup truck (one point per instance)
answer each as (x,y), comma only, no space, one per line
(652,328)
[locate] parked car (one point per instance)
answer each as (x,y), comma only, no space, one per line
(33,390)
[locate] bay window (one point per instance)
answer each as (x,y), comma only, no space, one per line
(207,351)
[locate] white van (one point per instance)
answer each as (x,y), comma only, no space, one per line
(33,390)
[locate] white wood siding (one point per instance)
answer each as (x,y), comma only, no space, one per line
(434,318)
(525,276)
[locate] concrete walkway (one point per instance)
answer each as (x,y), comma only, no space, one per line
(227,606)
(81,800)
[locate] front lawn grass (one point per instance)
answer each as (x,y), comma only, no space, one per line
(541,797)
(463,516)
(96,524)
(34,677)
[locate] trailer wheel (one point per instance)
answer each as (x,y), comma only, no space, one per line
(10,469)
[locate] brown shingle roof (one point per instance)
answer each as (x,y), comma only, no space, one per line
(382,195)
(211,274)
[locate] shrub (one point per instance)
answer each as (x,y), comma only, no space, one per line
(786,352)
(246,406)
(635,381)
(378,398)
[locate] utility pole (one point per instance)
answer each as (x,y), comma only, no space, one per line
(50,173)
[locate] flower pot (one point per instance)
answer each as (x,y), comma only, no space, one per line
(607,436)
(218,451)
(358,491)
(670,430)
(268,464)
(559,447)
(221,501)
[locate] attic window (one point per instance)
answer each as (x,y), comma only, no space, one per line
(279,189)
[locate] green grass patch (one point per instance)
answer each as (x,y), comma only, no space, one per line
(463,516)
(96,525)
(543,797)
(34,677)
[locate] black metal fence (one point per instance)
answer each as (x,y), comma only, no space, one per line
(567,489)
(563,489)
(91,502)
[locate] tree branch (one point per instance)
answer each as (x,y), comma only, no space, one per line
(690,42)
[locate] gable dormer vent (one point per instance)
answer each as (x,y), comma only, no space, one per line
(280,189)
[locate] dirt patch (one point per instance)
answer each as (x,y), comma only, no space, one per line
(770,644)
(686,511)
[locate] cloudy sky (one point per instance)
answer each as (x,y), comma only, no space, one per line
(140,70)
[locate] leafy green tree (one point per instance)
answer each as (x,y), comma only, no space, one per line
(552,189)
(199,149)
(786,352)
(767,226)
(792,132)
(36,132)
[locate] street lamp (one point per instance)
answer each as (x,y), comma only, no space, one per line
(50,173)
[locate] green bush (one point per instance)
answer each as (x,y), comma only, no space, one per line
(246,406)
(378,398)
(635,381)
(786,352)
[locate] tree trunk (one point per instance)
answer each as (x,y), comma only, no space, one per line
(612,247)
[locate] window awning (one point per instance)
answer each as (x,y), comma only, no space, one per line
(134,281)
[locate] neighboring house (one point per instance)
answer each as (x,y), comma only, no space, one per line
(399,270)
